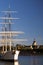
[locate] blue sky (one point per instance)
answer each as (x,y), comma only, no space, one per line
(30,13)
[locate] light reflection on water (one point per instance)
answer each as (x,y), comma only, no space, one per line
(16,63)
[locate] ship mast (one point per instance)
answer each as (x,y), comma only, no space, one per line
(7,33)
(9,26)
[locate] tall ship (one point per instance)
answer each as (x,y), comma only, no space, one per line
(8,37)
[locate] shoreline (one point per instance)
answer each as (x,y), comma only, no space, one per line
(30,53)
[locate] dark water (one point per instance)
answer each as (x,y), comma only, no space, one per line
(26,60)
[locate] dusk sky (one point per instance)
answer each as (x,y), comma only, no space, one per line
(30,13)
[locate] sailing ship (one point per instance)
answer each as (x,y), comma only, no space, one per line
(6,37)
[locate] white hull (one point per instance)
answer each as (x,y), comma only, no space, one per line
(10,56)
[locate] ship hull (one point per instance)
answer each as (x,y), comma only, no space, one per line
(10,56)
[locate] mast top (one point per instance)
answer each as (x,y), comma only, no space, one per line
(9,6)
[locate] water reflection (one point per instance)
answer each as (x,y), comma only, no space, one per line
(34,60)
(9,63)
(6,63)
(25,60)
(12,63)
(16,63)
